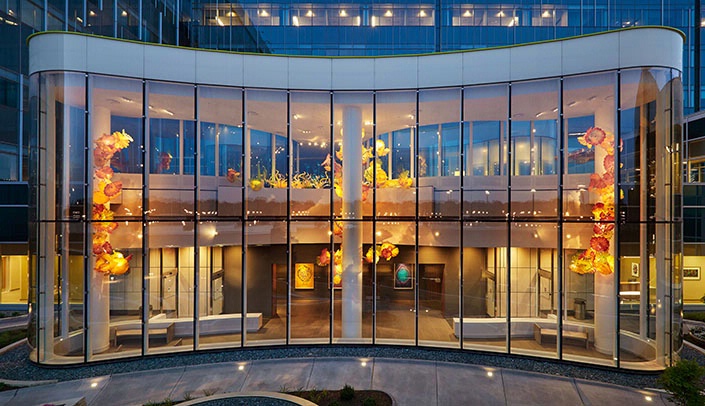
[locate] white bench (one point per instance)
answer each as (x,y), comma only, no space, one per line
(213,324)
(568,335)
(157,330)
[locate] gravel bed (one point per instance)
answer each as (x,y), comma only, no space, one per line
(15,363)
(247,401)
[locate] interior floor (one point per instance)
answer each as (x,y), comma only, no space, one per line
(310,323)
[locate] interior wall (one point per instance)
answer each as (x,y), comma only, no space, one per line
(474,283)
(694,290)
(260,260)
(232,279)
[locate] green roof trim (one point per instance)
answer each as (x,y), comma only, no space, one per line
(679,32)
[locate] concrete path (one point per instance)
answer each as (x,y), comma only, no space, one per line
(409,382)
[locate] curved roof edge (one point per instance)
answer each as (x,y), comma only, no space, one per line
(664,27)
(582,54)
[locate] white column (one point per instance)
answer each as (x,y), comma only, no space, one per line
(605,298)
(99,298)
(352,230)
(605,305)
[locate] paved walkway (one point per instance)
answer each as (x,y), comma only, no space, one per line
(409,382)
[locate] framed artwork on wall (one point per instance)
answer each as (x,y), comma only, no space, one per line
(691,273)
(635,270)
(303,273)
(404,276)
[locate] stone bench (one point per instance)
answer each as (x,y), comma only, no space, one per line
(568,335)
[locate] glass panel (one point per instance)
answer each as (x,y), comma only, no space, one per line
(645,181)
(267,279)
(311,146)
(535,149)
(352,278)
(533,288)
(579,314)
(484,304)
(170,285)
(171,130)
(267,154)
(397,272)
(116,133)
(396,115)
(61,265)
(588,102)
(352,321)
(438,283)
(310,286)
(485,150)
(439,148)
(220,114)
(220,297)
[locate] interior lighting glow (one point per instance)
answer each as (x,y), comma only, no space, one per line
(309,13)
(546,14)
(467,13)
(91,13)
(263,13)
(388,13)
(295,21)
(422,13)
(231,14)
(124,13)
(220,23)
(343,13)
(500,14)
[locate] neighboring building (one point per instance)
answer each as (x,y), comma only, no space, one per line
(694,212)
(523,200)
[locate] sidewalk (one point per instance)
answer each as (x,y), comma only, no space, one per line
(409,382)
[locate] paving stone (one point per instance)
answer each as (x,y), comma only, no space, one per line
(87,388)
(332,373)
(469,385)
(276,375)
(597,394)
(522,388)
(138,388)
(408,382)
(201,380)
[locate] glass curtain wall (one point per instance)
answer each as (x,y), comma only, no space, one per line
(223,217)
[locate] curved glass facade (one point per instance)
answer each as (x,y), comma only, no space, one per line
(533,217)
